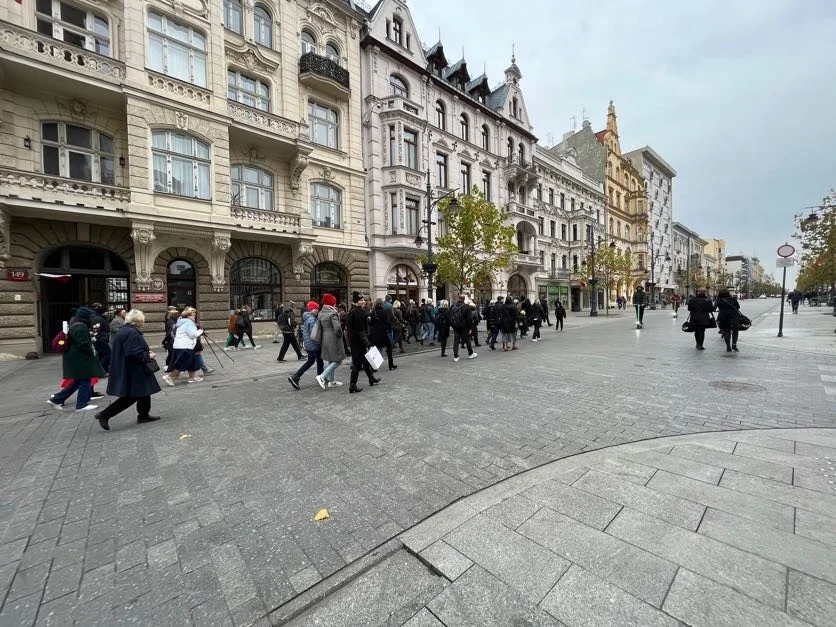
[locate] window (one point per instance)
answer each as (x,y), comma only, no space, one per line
(464,126)
(398,86)
(553,263)
(181,164)
(562,201)
(542,254)
(563,232)
(234,16)
(574,232)
(514,107)
(541,226)
(571,204)
(252,187)
(74,26)
(262,26)
(575,263)
(627,232)
(510,148)
(486,184)
(248,91)
(329,278)
(486,137)
(412,207)
(552,228)
(612,226)
(564,262)
(551,196)
(521,151)
(539,191)
(441,170)
(396,214)
(440,115)
(332,52)
(256,283)
(521,195)
(325,205)
(308,42)
(325,128)
(182,287)
(465,178)
(410,149)
(176,50)
(641,262)
(393,147)
(77,152)
(397,31)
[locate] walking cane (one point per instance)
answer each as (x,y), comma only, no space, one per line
(210,342)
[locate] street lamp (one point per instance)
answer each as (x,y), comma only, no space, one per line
(429,267)
(593,280)
(653,258)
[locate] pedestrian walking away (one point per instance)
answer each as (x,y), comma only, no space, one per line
(287,322)
(311,345)
(701,312)
(460,320)
(185,339)
(357,323)
(79,362)
(131,379)
(676,299)
(331,342)
(492,321)
(794,298)
(397,325)
(379,330)
(442,323)
(536,320)
(244,326)
(728,318)
(508,324)
(559,315)
(639,300)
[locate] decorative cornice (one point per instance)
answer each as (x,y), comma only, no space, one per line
(250,58)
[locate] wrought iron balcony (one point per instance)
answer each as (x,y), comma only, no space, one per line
(323,74)
(517,168)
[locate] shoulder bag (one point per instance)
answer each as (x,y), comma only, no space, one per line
(151,366)
(688,326)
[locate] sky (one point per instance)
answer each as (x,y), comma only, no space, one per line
(739,96)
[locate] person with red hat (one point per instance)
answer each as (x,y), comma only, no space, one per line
(330,341)
(311,346)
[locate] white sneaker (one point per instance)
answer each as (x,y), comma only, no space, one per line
(195,380)
(168,380)
(255,348)
(322,382)
(54,404)
(229,348)
(87,408)
(334,384)
(473,356)
(455,358)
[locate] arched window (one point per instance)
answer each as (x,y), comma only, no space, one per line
(252,187)
(464,126)
(521,151)
(248,91)
(329,278)
(514,107)
(609,168)
(332,52)
(612,226)
(510,147)
(486,137)
(618,228)
(308,42)
(517,287)
(181,164)
(256,283)
(398,86)
(440,115)
(182,286)
(326,206)
(77,152)
(234,16)
(402,284)
(627,232)
(262,26)
(522,194)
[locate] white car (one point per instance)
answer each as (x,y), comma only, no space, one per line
(762,296)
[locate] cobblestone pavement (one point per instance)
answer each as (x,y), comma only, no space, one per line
(207,516)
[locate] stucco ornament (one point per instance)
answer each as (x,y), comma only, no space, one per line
(221,243)
(5,228)
(78,108)
(328,173)
(299,163)
(302,250)
(143,236)
(182,120)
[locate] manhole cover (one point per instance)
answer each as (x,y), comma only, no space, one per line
(734,386)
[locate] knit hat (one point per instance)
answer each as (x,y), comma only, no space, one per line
(356,297)
(84,313)
(313,306)
(329,299)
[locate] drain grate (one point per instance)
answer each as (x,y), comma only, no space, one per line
(735,386)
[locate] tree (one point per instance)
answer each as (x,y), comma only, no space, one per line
(476,242)
(610,267)
(818,248)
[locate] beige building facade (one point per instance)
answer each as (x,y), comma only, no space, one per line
(159,152)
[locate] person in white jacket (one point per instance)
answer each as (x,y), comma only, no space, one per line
(185,338)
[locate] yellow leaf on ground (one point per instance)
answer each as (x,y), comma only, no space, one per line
(322,514)
(185,436)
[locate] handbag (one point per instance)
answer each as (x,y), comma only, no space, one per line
(688,326)
(374,358)
(741,322)
(712,323)
(151,366)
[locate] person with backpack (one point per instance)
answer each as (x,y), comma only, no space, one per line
(508,324)
(79,362)
(461,321)
(442,323)
(287,323)
(536,320)
(311,344)
(244,326)
(379,330)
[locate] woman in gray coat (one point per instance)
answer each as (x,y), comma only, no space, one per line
(330,341)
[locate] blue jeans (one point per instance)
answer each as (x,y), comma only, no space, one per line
(330,369)
(429,331)
(313,356)
(84,391)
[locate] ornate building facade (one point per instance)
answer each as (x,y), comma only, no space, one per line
(184,152)
(689,260)
(431,128)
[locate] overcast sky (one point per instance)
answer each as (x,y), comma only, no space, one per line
(739,96)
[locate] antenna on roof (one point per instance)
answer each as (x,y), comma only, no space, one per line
(485,68)
(549,138)
(513,53)
(573,122)
(439,34)
(583,114)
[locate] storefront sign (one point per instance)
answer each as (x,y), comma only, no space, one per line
(149,297)
(17,275)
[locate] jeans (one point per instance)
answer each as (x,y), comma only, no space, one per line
(313,356)
(429,331)
(493,335)
(330,369)
(143,406)
(84,388)
(199,362)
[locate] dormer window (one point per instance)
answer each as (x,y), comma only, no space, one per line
(397,31)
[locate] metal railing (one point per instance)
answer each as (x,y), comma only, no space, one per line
(325,67)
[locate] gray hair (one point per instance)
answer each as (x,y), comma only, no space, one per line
(135,317)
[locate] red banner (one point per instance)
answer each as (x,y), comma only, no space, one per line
(149,297)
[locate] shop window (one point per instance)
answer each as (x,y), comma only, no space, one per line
(256,283)
(182,283)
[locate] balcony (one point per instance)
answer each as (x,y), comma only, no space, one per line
(560,273)
(519,169)
(528,260)
(517,210)
(18,185)
(264,219)
(323,75)
(262,121)
(33,46)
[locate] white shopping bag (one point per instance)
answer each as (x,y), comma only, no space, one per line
(374,358)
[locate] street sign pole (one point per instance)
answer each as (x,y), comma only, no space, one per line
(783,297)
(785,251)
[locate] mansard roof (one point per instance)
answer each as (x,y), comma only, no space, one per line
(496,99)
(459,68)
(435,55)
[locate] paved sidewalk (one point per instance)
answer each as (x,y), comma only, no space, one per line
(735,528)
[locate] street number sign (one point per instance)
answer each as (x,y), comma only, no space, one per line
(783,262)
(786,250)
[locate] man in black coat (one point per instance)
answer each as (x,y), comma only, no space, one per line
(461,319)
(544,303)
(102,339)
(287,321)
(357,325)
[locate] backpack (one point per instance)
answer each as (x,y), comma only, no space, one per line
(282,321)
(458,316)
(443,318)
(60,343)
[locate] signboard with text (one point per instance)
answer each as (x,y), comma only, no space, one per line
(149,297)
(784,263)
(17,275)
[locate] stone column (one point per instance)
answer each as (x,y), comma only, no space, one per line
(221,244)
(143,237)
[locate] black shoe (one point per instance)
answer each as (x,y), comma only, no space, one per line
(443,355)
(294,382)
(97,395)
(276,342)
(102,422)
(142,419)
(353,390)
(728,349)
(302,357)
(392,367)
(493,348)
(700,348)
(374,381)
(280,359)
(734,348)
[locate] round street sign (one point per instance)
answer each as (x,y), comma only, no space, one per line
(786,250)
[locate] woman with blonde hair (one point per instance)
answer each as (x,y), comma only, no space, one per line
(131,380)
(185,339)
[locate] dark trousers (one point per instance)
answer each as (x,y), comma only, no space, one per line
(461,336)
(84,388)
(358,363)
(239,338)
(475,333)
(314,357)
(388,347)
(443,334)
(289,341)
(536,334)
(558,324)
(493,334)
(143,406)
(699,335)
(546,318)
(640,313)
(730,337)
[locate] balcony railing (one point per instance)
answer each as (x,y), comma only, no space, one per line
(518,209)
(314,66)
(55,189)
(262,119)
(59,54)
(286,221)
(527,259)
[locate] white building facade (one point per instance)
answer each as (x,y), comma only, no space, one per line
(688,259)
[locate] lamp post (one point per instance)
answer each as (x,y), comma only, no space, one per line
(430,267)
